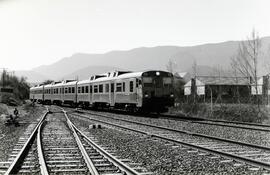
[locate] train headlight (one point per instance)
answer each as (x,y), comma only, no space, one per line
(146,95)
(157,73)
(172,95)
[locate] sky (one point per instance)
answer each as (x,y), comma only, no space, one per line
(38,32)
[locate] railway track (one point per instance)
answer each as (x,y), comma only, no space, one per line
(254,155)
(24,156)
(230,124)
(57,146)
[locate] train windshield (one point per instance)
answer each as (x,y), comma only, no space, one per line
(147,81)
(157,79)
(167,80)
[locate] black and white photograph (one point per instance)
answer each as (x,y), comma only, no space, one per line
(134,87)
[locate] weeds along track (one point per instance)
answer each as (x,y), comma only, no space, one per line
(56,146)
(24,157)
(254,155)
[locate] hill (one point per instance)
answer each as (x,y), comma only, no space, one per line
(212,55)
(88,71)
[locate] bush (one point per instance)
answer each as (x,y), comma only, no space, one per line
(230,112)
(20,86)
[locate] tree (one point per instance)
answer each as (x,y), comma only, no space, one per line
(247,58)
(47,82)
(171,66)
(194,68)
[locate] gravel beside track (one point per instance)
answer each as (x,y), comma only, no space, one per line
(244,135)
(9,135)
(162,157)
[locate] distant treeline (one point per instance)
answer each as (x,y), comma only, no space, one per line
(19,85)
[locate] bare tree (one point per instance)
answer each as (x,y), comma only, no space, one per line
(194,68)
(246,60)
(171,66)
(267,61)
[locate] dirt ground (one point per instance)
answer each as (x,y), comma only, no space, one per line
(9,135)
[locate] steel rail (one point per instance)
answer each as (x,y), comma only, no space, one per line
(21,155)
(90,164)
(122,166)
(113,159)
(233,126)
(228,155)
(215,122)
(42,163)
(190,133)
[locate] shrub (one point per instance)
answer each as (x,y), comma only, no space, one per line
(230,112)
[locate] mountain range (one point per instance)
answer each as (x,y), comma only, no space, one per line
(208,58)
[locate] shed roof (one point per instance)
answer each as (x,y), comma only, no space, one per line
(216,80)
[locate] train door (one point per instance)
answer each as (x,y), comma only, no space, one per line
(139,92)
(112,97)
(91,95)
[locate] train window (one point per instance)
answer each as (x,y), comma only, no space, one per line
(86,89)
(79,90)
(118,87)
(112,87)
(95,89)
(167,80)
(147,80)
(100,88)
(124,86)
(82,89)
(69,90)
(73,90)
(107,88)
(91,89)
(131,86)
(62,90)
(66,90)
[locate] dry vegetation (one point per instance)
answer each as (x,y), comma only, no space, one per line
(10,134)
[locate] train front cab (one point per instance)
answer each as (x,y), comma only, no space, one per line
(157,91)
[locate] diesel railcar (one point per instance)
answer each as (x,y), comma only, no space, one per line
(146,91)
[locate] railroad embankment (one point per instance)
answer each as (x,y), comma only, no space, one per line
(9,134)
(230,112)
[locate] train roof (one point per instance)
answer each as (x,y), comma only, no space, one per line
(84,81)
(48,85)
(57,84)
(130,75)
(70,83)
(102,79)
